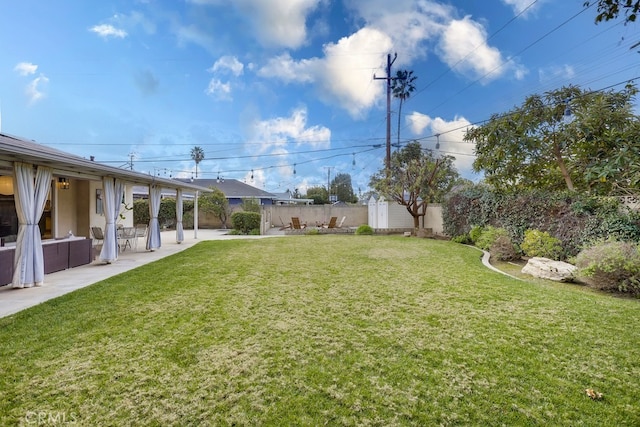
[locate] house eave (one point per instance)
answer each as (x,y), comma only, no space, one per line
(15,149)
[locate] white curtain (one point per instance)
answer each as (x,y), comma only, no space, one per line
(113,190)
(153,236)
(30,197)
(179,229)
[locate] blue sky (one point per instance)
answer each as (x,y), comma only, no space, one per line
(269,88)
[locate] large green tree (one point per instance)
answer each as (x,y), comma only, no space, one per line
(417,177)
(318,194)
(342,187)
(539,145)
(215,203)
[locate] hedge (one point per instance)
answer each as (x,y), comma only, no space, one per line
(574,219)
(166,214)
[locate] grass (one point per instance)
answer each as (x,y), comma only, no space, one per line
(311,330)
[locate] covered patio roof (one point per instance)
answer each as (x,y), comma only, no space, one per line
(13,149)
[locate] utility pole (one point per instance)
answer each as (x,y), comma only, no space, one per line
(388,79)
(328,168)
(131,157)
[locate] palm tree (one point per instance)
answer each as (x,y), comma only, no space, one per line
(402,87)
(197,154)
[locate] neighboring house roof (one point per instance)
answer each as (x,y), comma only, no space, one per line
(287,197)
(142,192)
(233,189)
(14,149)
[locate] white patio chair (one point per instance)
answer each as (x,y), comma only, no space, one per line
(141,231)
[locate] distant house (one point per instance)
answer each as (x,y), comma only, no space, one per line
(287,198)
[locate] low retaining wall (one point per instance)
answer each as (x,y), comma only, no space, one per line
(351,230)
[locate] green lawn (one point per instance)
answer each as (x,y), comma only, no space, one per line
(314,330)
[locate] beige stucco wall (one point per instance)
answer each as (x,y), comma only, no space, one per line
(65,212)
(90,218)
(278,215)
(397,215)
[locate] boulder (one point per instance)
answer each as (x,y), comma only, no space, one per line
(546,268)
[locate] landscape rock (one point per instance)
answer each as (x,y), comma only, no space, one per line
(546,268)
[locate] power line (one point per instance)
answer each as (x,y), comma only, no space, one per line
(517,111)
(251,156)
(527,47)
(449,69)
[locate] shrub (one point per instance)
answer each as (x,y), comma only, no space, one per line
(611,266)
(166,213)
(475,233)
(488,237)
(364,230)
(573,218)
(245,221)
(187,220)
(538,243)
(141,211)
(251,205)
(503,249)
(312,232)
(462,239)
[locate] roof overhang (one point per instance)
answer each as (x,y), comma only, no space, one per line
(14,149)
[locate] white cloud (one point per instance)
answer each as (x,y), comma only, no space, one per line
(408,23)
(219,90)
(228,63)
(451,134)
(285,68)
(191,34)
(34,89)
(526,6)
(276,134)
(106,30)
(418,122)
(133,20)
(349,67)
(413,25)
(279,22)
(345,73)
(25,68)
(464,48)
(557,72)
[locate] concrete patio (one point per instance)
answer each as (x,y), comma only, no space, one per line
(62,282)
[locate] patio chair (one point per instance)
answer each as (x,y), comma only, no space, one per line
(126,235)
(332,222)
(295,223)
(141,231)
(98,235)
(341,222)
